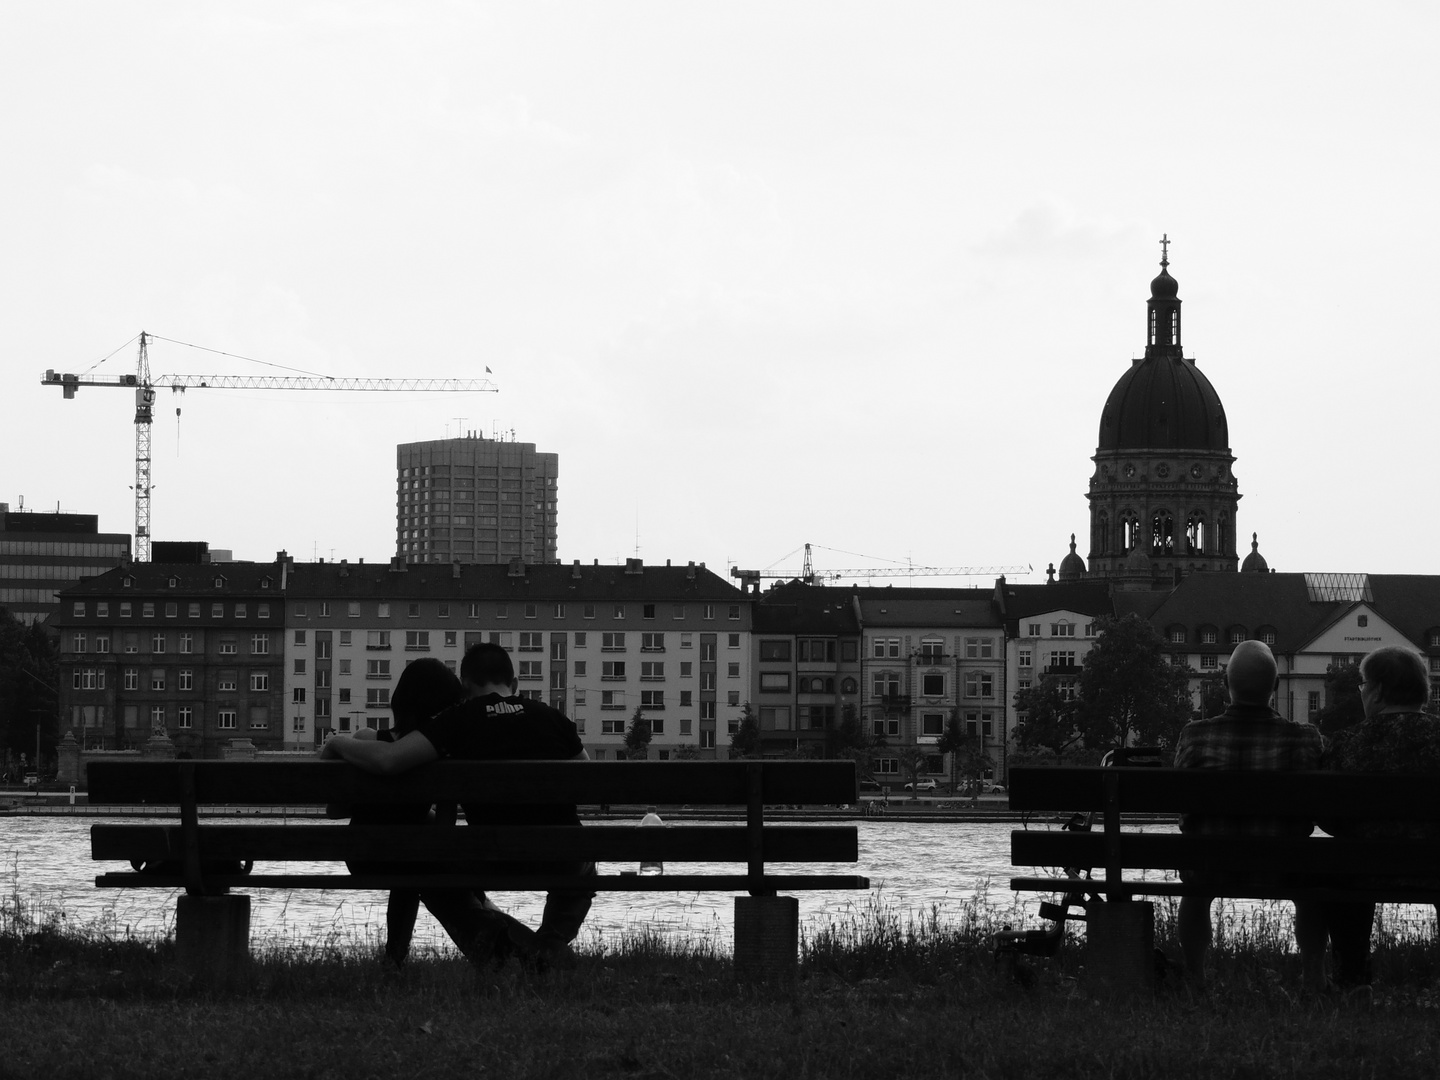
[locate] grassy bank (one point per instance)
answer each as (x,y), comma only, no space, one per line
(882,994)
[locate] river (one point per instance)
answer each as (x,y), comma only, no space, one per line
(914,868)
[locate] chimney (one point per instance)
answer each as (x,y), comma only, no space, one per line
(455,571)
(575,571)
(634,566)
(690,571)
(517,568)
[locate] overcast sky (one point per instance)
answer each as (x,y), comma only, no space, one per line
(760,273)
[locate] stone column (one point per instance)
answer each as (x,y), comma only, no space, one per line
(69,768)
(158,748)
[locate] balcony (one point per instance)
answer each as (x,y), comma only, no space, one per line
(931,659)
(895,702)
(1061,669)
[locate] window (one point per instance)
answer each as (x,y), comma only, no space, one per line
(588,611)
(613,670)
(707,710)
(612,727)
(707,738)
(1314,702)
(530,670)
(259,644)
(377,669)
(733,613)
(647,611)
(377,697)
(227,682)
(412,611)
(225,719)
(775,718)
(1025,657)
(344,638)
(979,648)
(707,611)
(677,611)
(501,638)
(1267,635)
(259,716)
(932,724)
(732,697)
(687,698)
(707,679)
(299,637)
(344,695)
(707,652)
(132,642)
(187,679)
(1062,658)
(816,651)
(1207,636)
(297,725)
(259,680)
(217,611)
(472,611)
(78,611)
(559,611)
(880,647)
(932,685)
(775,649)
(580,669)
(102,642)
(771,681)
(1209,662)
(352,609)
(1062,629)
(322,679)
(185,717)
(77,643)
(580,639)
(377,639)
(532,641)
(131,678)
(382,609)
(617,611)
(932,651)
(147,610)
(531,611)
(612,699)
(1236,635)
(125,609)
(300,611)
(652,642)
(652,699)
(157,717)
(450,638)
(240,611)
(652,671)
(612,642)
(157,643)
(687,640)
(732,671)
(157,679)
(1177,635)
(886,684)
(979,684)
(417,640)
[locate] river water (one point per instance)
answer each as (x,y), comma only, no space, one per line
(915,868)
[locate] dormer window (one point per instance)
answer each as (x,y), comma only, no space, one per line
(174,583)
(219,582)
(127,582)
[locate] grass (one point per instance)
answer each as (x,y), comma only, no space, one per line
(880,993)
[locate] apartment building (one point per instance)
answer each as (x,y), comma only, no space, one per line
(41,554)
(598,642)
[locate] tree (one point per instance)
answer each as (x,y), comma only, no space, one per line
(966,758)
(1342,696)
(637,736)
(913,760)
(746,740)
(1050,721)
(849,740)
(1129,691)
(29,675)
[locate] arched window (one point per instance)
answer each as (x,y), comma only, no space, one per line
(848,686)
(1100,541)
(1195,534)
(1162,533)
(1175,327)
(1152,326)
(1129,532)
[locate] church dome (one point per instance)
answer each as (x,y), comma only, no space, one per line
(1072,567)
(1164,402)
(1164,287)
(1254,562)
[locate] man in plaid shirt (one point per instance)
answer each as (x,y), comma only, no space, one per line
(1249,734)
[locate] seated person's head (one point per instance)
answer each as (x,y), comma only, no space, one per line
(487,664)
(425,688)
(1251,674)
(1399,676)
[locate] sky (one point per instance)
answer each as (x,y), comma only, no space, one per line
(853,274)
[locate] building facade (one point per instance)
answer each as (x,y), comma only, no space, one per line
(189,651)
(41,554)
(475,500)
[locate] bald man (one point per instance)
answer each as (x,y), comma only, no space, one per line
(1249,734)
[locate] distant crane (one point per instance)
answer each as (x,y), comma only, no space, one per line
(144,389)
(751,578)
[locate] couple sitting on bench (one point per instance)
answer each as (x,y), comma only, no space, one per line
(477,717)
(1395,736)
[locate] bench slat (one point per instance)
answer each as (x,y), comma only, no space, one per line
(514,782)
(1225,792)
(1173,851)
(604,843)
(1388,894)
(497,883)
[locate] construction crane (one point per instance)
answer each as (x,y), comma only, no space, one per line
(145,387)
(750,579)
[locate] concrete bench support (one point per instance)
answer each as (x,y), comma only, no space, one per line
(1120,948)
(212,938)
(767,938)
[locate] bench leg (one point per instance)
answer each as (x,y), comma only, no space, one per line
(767,938)
(212,938)
(1120,948)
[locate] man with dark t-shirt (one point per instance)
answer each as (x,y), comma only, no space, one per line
(491,724)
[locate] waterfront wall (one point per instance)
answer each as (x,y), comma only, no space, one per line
(73,758)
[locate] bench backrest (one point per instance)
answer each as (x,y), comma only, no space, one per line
(674,783)
(1225,792)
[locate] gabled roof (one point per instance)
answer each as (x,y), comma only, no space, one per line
(926,607)
(1026,601)
(153,579)
(1249,600)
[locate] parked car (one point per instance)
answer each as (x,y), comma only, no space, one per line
(923,785)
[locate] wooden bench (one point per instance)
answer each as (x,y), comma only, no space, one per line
(1108,860)
(205,857)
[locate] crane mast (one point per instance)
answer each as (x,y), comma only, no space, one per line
(144,388)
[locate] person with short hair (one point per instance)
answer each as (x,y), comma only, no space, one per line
(1398,736)
(494,723)
(1249,734)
